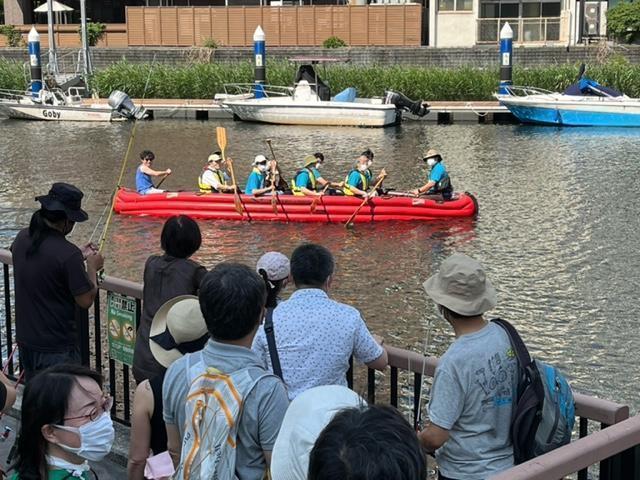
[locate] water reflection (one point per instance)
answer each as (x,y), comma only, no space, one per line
(557,226)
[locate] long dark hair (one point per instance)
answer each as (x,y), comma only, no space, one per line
(274,287)
(45,402)
(38,228)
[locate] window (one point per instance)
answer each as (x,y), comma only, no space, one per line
(455,5)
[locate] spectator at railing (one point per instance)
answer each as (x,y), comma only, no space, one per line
(274,268)
(315,335)
(165,277)
(51,280)
(306,416)
(65,423)
(240,421)
(367,443)
(476,379)
(177,328)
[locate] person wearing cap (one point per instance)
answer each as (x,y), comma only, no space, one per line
(308,180)
(475,382)
(212,178)
(306,417)
(316,336)
(51,279)
(438,182)
(274,268)
(360,178)
(256,183)
(144,172)
(177,328)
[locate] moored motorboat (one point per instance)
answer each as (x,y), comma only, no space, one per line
(292,208)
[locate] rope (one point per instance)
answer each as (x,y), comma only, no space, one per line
(469,105)
(132,137)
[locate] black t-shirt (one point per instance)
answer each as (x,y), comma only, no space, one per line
(45,286)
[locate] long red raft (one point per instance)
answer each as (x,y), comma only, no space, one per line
(290,208)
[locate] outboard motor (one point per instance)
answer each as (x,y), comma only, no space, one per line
(403,103)
(122,104)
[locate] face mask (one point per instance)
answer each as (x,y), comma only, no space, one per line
(431,162)
(369,163)
(76,471)
(262,168)
(363,167)
(96,438)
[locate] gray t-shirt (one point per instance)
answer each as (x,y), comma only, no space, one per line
(472,397)
(263,410)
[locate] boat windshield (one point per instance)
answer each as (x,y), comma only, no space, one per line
(308,73)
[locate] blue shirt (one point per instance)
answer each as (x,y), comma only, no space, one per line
(355,180)
(303,179)
(438,172)
(255,181)
(143,181)
(316,173)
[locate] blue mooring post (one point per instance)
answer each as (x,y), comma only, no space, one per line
(260,62)
(506,59)
(35,63)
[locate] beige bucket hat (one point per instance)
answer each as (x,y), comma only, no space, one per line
(178,327)
(431,153)
(462,286)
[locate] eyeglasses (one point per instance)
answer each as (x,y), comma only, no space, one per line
(107,403)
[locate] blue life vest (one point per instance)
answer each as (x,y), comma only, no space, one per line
(143,181)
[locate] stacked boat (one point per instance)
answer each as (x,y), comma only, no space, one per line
(293,208)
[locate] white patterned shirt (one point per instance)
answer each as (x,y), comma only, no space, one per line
(315,337)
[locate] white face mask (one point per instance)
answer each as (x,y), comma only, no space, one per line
(262,168)
(363,167)
(96,438)
(431,162)
(369,163)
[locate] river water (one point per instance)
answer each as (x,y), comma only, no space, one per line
(557,230)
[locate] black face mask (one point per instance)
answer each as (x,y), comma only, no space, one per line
(166,341)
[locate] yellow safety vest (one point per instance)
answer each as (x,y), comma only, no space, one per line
(363,178)
(205,187)
(312,178)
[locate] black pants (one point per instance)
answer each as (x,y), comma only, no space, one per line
(34,361)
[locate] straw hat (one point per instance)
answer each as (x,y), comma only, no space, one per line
(306,417)
(310,160)
(462,286)
(178,327)
(275,264)
(431,153)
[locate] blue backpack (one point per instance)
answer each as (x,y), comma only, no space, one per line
(544,413)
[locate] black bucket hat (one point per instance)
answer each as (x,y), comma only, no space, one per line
(66,198)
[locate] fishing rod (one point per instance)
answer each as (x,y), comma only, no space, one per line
(427,343)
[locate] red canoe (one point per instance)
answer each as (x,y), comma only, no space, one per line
(290,208)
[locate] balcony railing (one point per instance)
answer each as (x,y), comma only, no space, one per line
(616,447)
(525,30)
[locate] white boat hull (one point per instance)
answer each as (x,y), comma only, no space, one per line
(284,111)
(56,113)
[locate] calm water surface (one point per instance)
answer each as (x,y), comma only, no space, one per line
(557,231)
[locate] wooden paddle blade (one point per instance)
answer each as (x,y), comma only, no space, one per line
(221,135)
(314,205)
(238,204)
(274,204)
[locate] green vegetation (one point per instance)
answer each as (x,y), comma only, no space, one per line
(12,75)
(95,31)
(623,21)
(334,42)
(204,80)
(14,38)
(210,43)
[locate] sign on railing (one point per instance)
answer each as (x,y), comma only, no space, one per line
(121,318)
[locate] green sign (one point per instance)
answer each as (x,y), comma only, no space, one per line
(121,319)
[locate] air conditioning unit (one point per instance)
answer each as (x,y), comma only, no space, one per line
(591,19)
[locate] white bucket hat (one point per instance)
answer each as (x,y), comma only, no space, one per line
(275,264)
(259,159)
(462,286)
(306,417)
(178,327)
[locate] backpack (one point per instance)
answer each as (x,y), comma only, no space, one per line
(213,409)
(544,413)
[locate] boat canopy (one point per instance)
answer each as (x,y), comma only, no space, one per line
(588,87)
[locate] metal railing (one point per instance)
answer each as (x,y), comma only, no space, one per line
(616,448)
(525,30)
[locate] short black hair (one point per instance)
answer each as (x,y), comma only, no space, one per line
(368,153)
(311,265)
(232,297)
(319,156)
(147,155)
(447,312)
(180,236)
(372,442)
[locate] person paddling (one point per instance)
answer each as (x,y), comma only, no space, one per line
(360,177)
(308,180)
(213,178)
(256,183)
(438,181)
(144,172)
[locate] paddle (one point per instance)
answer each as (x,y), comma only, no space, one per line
(221,135)
(162,180)
(274,193)
(349,224)
(314,204)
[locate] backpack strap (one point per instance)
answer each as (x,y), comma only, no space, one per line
(271,343)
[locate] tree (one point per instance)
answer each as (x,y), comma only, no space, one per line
(623,21)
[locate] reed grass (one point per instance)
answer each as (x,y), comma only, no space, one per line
(204,80)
